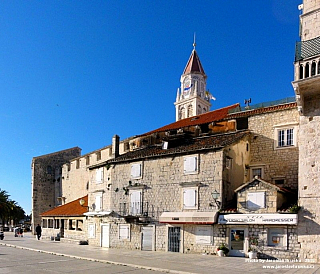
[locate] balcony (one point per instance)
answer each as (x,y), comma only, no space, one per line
(307,49)
(138,211)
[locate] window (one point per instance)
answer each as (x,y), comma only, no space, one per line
(276,237)
(98,202)
(124,231)
(136,171)
(99,175)
(279,181)
(285,136)
(98,154)
(228,163)
(88,160)
(135,202)
(256,171)
(190,165)
(256,200)
(190,198)
(92,230)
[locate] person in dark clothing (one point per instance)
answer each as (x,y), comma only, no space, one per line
(38,231)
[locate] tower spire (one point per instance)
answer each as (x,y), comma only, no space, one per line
(194,41)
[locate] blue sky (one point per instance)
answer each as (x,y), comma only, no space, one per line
(74,73)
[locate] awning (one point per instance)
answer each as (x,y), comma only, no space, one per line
(98,214)
(203,218)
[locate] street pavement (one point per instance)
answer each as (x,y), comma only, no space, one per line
(168,262)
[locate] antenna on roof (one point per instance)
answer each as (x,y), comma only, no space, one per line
(247,102)
(194,41)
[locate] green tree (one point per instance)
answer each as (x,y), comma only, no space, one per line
(9,209)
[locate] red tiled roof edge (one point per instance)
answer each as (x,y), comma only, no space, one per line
(212,116)
(70,209)
(262,110)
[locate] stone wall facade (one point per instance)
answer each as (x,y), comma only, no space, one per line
(162,183)
(309,180)
(310,20)
(277,163)
(47,181)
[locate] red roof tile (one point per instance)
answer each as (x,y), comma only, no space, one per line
(70,209)
(185,145)
(193,64)
(205,118)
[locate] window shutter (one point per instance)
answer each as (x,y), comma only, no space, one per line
(135,202)
(136,170)
(91,229)
(98,203)
(256,200)
(124,232)
(189,198)
(190,164)
(99,175)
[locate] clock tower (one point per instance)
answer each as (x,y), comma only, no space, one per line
(192,97)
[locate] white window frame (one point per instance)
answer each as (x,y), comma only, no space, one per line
(91,230)
(136,170)
(253,167)
(286,142)
(190,196)
(256,200)
(191,164)
(99,175)
(279,233)
(135,202)
(124,231)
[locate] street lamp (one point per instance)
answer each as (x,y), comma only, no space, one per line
(215,195)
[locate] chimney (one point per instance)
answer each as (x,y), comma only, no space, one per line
(115,146)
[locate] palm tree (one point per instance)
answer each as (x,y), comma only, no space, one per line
(4,205)
(9,209)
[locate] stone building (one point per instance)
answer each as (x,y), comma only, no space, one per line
(66,222)
(47,181)
(306,85)
(259,215)
(162,190)
(212,177)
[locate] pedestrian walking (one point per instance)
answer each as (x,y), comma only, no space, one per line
(38,231)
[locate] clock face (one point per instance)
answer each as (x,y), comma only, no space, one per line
(187,87)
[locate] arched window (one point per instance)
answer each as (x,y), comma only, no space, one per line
(182,113)
(199,109)
(318,72)
(306,72)
(313,68)
(190,110)
(301,72)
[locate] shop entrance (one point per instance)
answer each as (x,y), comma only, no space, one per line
(237,242)
(174,239)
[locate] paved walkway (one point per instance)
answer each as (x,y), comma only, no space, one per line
(168,262)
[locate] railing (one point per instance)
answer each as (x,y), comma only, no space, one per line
(139,209)
(305,49)
(263,105)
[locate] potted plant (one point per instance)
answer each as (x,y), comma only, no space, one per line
(253,250)
(222,250)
